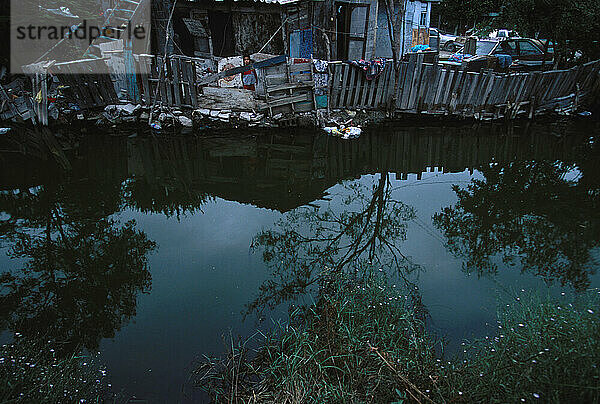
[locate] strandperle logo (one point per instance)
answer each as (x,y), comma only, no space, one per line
(41,34)
(82,31)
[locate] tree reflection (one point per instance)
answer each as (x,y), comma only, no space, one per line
(83,269)
(310,245)
(171,197)
(535,214)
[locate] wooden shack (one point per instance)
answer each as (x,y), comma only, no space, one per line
(328,30)
(354,29)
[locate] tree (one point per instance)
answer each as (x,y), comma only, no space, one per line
(459,16)
(572,25)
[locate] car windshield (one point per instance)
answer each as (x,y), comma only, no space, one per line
(485,47)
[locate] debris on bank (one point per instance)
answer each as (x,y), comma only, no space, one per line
(343,101)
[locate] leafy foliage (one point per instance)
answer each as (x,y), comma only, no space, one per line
(363,342)
(571,24)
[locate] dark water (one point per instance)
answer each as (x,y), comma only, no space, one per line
(217,217)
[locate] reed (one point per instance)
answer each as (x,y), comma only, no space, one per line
(362,342)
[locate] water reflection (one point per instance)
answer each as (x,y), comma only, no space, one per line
(361,227)
(542,215)
(82,269)
(344,206)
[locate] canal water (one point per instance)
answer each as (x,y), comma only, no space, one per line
(157,251)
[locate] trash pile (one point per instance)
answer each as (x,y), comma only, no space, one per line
(345,132)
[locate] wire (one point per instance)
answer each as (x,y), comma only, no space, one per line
(273,36)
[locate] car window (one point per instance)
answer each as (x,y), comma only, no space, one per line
(527,48)
(506,48)
(485,47)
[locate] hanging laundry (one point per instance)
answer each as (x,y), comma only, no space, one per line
(456,57)
(301,43)
(320,76)
(372,68)
(320,80)
(320,65)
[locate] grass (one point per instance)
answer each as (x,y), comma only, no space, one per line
(34,370)
(546,350)
(363,343)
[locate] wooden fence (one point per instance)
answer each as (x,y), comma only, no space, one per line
(415,87)
(172,83)
(351,89)
(440,89)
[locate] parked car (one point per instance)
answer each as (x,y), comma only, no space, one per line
(504,33)
(444,38)
(525,53)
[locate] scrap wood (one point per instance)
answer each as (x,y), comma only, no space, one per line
(238,70)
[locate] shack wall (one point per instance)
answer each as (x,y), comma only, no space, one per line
(253,30)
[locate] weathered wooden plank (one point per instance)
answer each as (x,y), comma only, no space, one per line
(299,67)
(105,87)
(289,100)
(390,86)
(145,62)
(407,84)
(432,89)
(447,94)
(336,84)
(93,81)
(367,84)
(525,79)
(476,100)
(175,71)
(498,92)
(358,87)
(381,88)
(351,86)
(425,83)
(475,86)
(549,81)
(416,81)
(463,89)
(440,88)
(456,90)
(86,98)
(401,77)
(344,89)
(191,76)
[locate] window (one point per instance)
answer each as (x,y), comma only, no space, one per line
(527,48)
(423,21)
(506,48)
(352,26)
(485,47)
